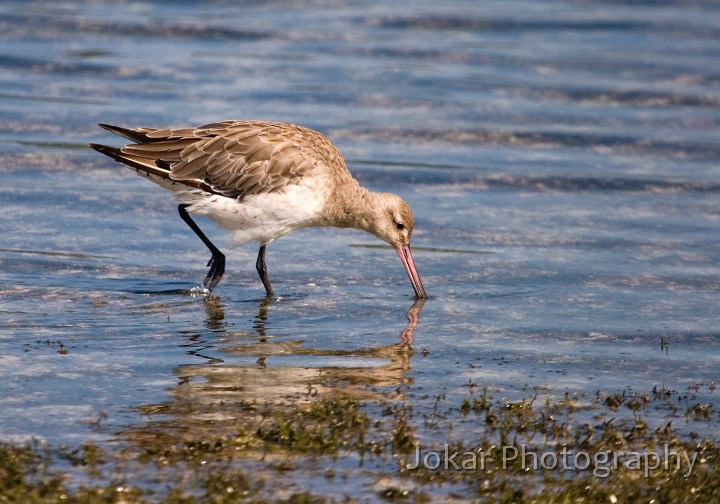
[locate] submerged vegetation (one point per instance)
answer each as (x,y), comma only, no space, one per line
(609,447)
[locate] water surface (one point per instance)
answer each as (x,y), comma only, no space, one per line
(561,159)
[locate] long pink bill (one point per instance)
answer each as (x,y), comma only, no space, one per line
(407,260)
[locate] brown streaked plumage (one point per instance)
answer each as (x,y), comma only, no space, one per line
(262,180)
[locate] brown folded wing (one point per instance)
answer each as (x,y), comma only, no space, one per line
(234,158)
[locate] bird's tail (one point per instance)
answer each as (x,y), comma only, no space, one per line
(141,165)
(155,169)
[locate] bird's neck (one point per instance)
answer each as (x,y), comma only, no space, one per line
(352,206)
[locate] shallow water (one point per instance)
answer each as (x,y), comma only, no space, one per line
(561,159)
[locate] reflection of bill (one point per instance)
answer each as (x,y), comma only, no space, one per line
(413,317)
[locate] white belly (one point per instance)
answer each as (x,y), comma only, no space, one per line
(260,217)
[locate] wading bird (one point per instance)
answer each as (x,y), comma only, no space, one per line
(262,180)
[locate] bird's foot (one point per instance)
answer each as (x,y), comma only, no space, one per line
(217,269)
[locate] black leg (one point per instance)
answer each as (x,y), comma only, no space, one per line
(262,271)
(217,261)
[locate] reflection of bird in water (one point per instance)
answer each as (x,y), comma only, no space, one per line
(262,180)
(271,378)
(241,407)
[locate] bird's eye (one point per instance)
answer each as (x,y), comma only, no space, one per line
(400,226)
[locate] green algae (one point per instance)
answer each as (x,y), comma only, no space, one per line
(502,448)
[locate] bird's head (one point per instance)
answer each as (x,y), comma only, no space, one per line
(390,219)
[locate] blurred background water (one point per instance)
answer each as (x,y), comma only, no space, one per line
(561,158)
